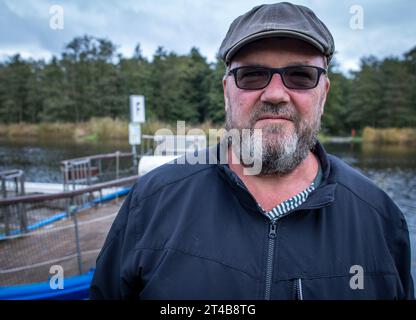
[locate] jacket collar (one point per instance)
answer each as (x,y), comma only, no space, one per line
(323,196)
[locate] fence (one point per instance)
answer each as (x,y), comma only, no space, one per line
(12,183)
(96,169)
(68,229)
(103,167)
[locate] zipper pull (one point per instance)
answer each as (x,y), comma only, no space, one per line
(299,293)
(272,230)
(297,289)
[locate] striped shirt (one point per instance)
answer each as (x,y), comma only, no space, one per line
(290,204)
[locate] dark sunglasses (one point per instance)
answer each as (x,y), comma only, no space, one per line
(293,77)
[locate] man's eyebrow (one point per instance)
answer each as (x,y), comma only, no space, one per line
(252,65)
(293,63)
(302,63)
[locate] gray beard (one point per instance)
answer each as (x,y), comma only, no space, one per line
(278,156)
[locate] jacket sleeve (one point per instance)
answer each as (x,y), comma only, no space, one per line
(107,282)
(402,255)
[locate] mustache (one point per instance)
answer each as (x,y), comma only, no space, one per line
(275,109)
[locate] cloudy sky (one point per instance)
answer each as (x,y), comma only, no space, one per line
(388,26)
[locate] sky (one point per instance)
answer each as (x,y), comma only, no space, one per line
(360,27)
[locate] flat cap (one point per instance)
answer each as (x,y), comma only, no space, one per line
(282,19)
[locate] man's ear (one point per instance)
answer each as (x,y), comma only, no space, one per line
(327,88)
(327,85)
(224,89)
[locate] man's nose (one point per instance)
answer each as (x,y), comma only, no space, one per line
(275,92)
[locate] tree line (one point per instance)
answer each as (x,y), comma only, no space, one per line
(90,79)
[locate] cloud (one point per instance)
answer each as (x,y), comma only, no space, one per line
(181,24)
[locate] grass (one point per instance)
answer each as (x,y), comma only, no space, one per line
(96,129)
(19,130)
(323,138)
(92,130)
(390,135)
(108,129)
(56,129)
(102,129)
(357,139)
(91,137)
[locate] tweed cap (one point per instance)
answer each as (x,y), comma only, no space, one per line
(277,20)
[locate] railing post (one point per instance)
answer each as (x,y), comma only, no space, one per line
(77,242)
(73,175)
(88,172)
(3,187)
(22,206)
(68,208)
(22,184)
(6,213)
(16,185)
(117,163)
(65,174)
(21,212)
(100,168)
(134,152)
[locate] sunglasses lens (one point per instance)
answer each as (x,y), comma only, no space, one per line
(301,77)
(252,78)
(296,77)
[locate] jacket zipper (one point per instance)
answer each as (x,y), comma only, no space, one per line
(272,240)
(297,286)
(270,255)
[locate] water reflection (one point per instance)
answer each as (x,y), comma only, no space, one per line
(40,159)
(372,156)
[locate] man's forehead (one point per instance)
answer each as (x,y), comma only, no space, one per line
(299,51)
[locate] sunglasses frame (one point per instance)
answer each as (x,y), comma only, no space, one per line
(281,72)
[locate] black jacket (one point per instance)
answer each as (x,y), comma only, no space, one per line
(195,232)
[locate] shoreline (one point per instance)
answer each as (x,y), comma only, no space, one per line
(104,129)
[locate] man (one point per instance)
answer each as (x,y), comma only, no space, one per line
(305,226)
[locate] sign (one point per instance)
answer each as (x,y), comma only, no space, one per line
(134,134)
(137,109)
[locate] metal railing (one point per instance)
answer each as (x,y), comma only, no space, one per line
(148,145)
(12,182)
(69,228)
(17,209)
(96,168)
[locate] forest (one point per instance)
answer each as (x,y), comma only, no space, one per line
(91,79)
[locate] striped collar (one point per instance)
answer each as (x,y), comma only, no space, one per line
(289,205)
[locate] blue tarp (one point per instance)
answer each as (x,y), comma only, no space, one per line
(74,288)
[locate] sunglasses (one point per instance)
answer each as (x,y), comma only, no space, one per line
(293,77)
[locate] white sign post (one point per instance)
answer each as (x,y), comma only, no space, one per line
(137,113)
(134,134)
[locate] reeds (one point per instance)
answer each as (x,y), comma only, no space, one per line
(99,129)
(389,135)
